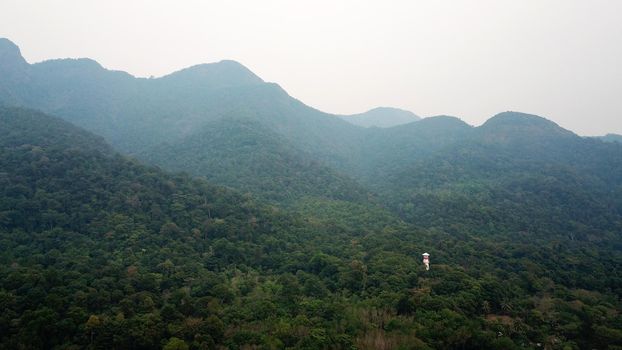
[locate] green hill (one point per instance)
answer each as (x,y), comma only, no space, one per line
(100,251)
(246,155)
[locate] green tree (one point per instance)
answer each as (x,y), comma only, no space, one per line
(175,344)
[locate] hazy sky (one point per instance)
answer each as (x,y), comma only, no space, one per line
(560,59)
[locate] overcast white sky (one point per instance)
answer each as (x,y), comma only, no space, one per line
(561,59)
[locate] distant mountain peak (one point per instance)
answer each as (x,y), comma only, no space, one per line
(382,117)
(509,126)
(223,65)
(219,74)
(511,118)
(389,109)
(438,125)
(445,120)
(10,55)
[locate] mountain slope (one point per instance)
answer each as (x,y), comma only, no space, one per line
(100,251)
(201,120)
(73,174)
(246,155)
(516,173)
(14,73)
(386,151)
(134,114)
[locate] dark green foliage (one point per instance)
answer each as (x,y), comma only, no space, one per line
(246,155)
(101,252)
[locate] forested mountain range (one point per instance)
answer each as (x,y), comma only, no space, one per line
(138,115)
(161,120)
(317,241)
(99,251)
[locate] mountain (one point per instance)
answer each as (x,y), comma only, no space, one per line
(222,74)
(246,155)
(222,122)
(323,248)
(515,127)
(515,173)
(143,117)
(100,251)
(135,113)
(382,117)
(139,116)
(84,229)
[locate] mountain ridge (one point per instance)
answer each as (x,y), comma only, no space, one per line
(138,115)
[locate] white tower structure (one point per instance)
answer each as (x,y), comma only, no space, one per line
(426,261)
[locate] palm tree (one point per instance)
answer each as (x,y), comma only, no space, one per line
(506,306)
(486,307)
